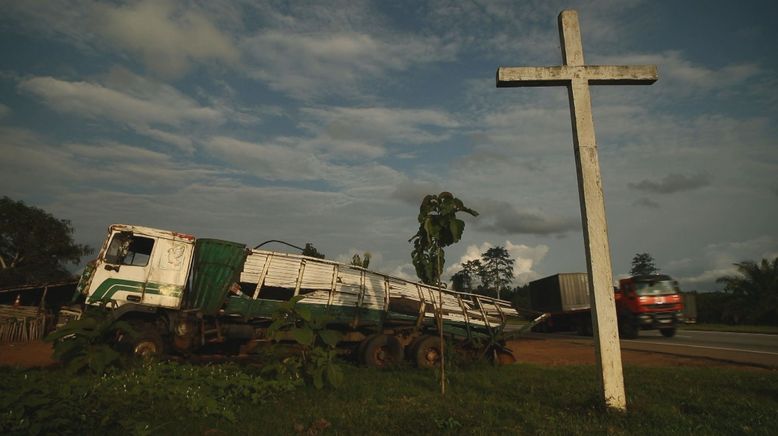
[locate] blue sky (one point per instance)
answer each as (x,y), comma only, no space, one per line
(328,122)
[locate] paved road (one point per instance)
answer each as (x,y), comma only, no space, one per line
(747,348)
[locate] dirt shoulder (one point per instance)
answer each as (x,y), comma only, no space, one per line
(561,352)
(529,349)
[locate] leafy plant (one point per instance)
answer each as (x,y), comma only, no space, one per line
(85,344)
(316,360)
(438,228)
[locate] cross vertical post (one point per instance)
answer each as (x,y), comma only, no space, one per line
(577,77)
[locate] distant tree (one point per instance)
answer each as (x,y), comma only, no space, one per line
(311,251)
(755,290)
(497,269)
(362,261)
(465,279)
(643,264)
(520,298)
(35,247)
(438,228)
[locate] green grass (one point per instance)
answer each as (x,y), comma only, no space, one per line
(767,329)
(518,399)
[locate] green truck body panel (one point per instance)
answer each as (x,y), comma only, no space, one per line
(217,264)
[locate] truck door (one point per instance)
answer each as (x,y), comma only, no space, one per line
(141,268)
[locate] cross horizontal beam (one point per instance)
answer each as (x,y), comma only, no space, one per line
(511,77)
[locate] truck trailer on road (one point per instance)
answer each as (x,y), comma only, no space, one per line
(643,302)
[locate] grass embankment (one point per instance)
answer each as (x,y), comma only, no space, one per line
(517,399)
(766,329)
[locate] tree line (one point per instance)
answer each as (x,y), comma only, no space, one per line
(37,248)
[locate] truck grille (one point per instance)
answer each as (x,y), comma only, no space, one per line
(662,306)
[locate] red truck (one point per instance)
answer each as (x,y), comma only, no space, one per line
(642,303)
(648,302)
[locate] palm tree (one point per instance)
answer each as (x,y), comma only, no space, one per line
(755,289)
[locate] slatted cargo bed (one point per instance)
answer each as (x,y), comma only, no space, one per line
(357,295)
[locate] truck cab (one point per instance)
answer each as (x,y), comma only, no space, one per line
(648,302)
(139,265)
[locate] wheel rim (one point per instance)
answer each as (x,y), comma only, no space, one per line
(431,356)
(381,356)
(145,349)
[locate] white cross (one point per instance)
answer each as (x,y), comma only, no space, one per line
(577,77)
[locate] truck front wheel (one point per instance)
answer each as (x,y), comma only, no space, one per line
(628,328)
(146,343)
(668,333)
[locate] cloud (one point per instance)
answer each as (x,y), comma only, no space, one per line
(167,37)
(380,124)
(413,192)
(4,111)
(288,162)
(267,161)
(525,257)
(646,202)
(129,105)
(682,76)
(503,218)
(148,107)
(718,259)
(672,183)
(299,63)
(32,163)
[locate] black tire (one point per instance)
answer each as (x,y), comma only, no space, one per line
(584,327)
(147,342)
(382,351)
(360,350)
(425,352)
(628,329)
(668,333)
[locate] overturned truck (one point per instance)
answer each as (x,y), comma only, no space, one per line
(182,294)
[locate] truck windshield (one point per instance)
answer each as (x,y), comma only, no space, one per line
(662,287)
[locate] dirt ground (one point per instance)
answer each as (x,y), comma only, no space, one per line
(531,350)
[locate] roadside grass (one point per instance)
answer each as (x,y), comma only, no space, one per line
(766,329)
(170,398)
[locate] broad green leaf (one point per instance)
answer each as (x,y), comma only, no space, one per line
(334,375)
(303,335)
(330,337)
(303,312)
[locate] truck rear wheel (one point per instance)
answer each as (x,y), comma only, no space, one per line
(425,352)
(381,351)
(668,333)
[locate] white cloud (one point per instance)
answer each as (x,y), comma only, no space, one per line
(366,132)
(680,75)
(267,161)
(718,259)
(526,259)
(167,37)
(301,63)
(148,107)
(289,162)
(97,101)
